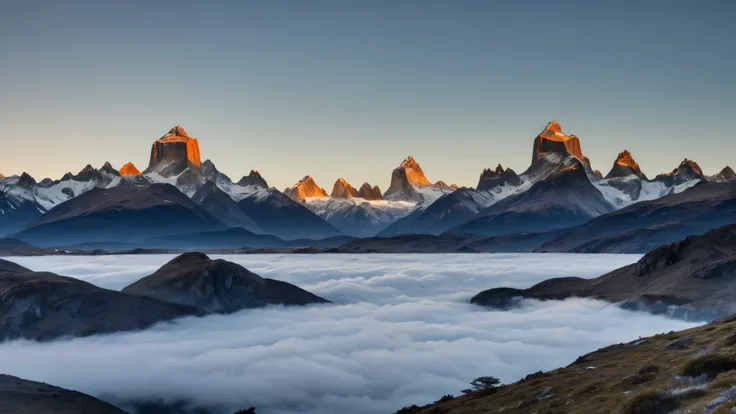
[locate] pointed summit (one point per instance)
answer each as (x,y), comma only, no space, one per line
(687,171)
(404,179)
(305,188)
(370,193)
(690,167)
(254,178)
(2,176)
(625,166)
(343,189)
(490,179)
(552,141)
(173,153)
(211,172)
(107,168)
(26,181)
(726,174)
(129,170)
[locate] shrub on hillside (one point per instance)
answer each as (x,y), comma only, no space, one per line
(651,402)
(710,365)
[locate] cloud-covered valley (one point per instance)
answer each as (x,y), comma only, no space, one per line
(400,332)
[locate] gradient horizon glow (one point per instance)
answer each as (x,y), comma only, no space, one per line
(349,89)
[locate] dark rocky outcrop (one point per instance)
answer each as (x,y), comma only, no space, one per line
(88,173)
(490,179)
(688,170)
(370,193)
(625,166)
(217,286)
(403,179)
(727,174)
(693,279)
(108,169)
(120,214)
(20,396)
(343,189)
(254,179)
(211,172)
(44,306)
(26,181)
(173,153)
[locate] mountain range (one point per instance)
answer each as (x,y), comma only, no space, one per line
(179,198)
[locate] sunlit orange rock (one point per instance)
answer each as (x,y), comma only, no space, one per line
(552,141)
(2,176)
(174,152)
(598,173)
(625,166)
(129,170)
(343,189)
(406,175)
(305,188)
(370,193)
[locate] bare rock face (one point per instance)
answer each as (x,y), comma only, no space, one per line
(26,181)
(107,168)
(254,178)
(726,174)
(490,179)
(598,173)
(343,189)
(306,187)
(404,178)
(688,170)
(219,286)
(88,173)
(2,176)
(211,172)
(370,193)
(625,166)
(129,170)
(173,153)
(552,141)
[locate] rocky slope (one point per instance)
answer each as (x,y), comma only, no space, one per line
(219,204)
(692,279)
(563,198)
(254,178)
(217,286)
(120,214)
(552,141)
(20,396)
(690,371)
(646,225)
(44,306)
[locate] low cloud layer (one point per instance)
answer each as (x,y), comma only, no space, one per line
(401,333)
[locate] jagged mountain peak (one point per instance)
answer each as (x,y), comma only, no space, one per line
(305,188)
(107,168)
(343,189)
(1,175)
(689,166)
(413,172)
(624,166)
(173,153)
(553,141)
(553,128)
(129,170)
(254,178)
(26,180)
(210,171)
(176,132)
(488,172)
(87,168)
(370,193)
(68,176)
(726,174)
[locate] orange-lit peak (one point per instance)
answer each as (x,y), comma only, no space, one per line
(86,168)
(686,163)
(129,170)
(176,132)
(1,175)
(414,173)
(625,159)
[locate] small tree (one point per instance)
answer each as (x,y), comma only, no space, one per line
(485,383)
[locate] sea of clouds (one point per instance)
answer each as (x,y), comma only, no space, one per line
(400,332)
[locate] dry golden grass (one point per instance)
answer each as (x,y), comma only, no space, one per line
(627,379)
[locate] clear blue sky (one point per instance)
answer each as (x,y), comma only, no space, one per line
(350,88)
